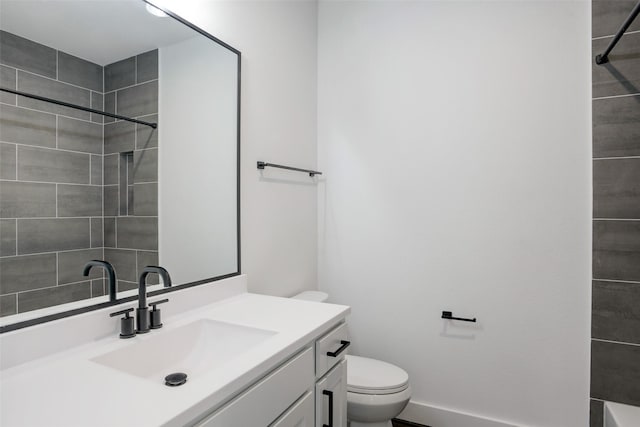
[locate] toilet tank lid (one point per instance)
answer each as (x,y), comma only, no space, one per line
(373,376)
(316,296)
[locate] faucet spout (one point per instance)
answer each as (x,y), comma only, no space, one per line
(111,275)
(142,313)
(164,274)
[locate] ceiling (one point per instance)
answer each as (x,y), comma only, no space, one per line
(100,31)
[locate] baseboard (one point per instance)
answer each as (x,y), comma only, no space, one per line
(434,416)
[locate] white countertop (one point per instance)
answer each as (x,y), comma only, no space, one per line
(68,389)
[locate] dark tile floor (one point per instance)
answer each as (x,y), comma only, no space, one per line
(402,423)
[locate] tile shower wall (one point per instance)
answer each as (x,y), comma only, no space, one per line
(50,178)
(131,168)
(58,180)
(615,344)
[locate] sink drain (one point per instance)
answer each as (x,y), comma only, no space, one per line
(175,379)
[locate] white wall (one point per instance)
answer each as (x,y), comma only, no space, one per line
(455,137)
(279,209)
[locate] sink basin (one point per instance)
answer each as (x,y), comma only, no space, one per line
(194,349)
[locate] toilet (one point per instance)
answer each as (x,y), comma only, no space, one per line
(377,391)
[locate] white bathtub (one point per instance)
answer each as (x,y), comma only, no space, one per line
(619,415)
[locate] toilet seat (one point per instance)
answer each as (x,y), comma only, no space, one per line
(370,376)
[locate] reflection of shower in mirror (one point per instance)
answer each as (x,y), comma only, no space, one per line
(77,185)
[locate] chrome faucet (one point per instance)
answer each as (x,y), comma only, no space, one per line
(111,275)
(142,312)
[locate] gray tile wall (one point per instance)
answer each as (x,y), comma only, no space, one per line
(60,176)
(50,179)
(615,324)
(130,159)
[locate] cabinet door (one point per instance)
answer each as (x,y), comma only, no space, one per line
(331,398)
(301,414)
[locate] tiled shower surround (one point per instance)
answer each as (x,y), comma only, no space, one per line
(74,186)
(615,344)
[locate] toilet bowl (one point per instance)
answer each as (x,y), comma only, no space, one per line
(377,391)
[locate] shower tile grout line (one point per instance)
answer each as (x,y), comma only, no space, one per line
(76,118)
(81,217)
(614,280)
(78,250)
(613,35)
(73,84)
(49,148)
(626,95)
(616,158)
(616,342)
(52,183)
(59,286)
(616,219)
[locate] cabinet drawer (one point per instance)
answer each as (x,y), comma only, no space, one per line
(332,341)
(301,414)
(268,398)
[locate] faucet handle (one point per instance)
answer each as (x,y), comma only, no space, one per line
(156,321)
(162,301)
(127,327)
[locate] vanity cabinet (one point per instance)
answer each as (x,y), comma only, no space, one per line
(309,389)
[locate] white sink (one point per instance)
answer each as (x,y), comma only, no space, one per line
(619,415)
(193,349)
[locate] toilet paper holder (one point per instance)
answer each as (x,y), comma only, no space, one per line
(449,315)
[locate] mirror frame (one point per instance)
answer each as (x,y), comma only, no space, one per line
(209,280)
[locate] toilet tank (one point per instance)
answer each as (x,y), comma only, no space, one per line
(315,296)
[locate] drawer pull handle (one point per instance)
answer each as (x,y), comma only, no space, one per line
(342,348)
(330,394)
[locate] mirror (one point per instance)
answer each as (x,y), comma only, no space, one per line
(76,185)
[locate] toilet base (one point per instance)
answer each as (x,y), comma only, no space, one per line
(375,410)
(378,424)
